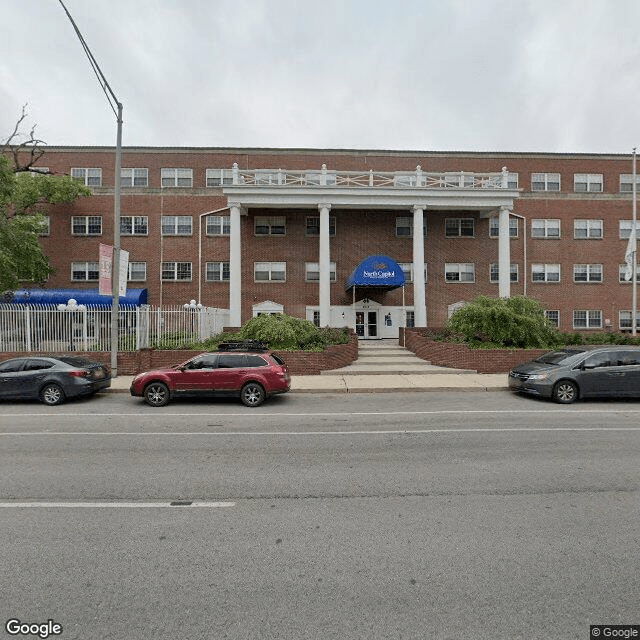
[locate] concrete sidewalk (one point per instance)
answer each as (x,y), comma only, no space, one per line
(380,383)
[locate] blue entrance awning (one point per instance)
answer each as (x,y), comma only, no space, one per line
(134,297)
(381,272)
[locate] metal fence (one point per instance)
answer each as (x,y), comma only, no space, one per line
(88,328)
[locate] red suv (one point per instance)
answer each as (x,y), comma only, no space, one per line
(245,368)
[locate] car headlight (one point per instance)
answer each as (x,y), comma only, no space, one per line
(538,376)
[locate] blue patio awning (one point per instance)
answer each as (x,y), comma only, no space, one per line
(381,272)
(134,297)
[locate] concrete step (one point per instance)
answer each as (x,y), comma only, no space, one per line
(368,370)
(384,359)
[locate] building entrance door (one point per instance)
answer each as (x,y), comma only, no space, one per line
(367,324)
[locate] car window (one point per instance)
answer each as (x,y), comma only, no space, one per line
(256,361)
(557,357)
(278,359)
(37,365)
(230,361)
(625,358)
(599,360)
(11,366)
(204,362)
(75,361)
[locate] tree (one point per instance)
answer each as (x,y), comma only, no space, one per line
(508,322)
(24,199)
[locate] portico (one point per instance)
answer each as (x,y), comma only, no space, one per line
(418,193)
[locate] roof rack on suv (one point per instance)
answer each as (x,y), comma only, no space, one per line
(243,345)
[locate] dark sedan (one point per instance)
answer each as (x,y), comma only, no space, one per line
(580,372)
(51,379)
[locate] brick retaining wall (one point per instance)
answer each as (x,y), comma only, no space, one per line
(460,356)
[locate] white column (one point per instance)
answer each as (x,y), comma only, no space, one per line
(504,255)
(324,265)
(419,303)
(235,268)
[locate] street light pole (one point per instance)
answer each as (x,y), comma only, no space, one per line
(116,107)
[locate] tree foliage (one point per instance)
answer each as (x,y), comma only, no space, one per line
(516,322)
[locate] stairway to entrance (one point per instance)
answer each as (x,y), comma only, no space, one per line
(387,356)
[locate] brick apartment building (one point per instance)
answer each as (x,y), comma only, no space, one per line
(265,230)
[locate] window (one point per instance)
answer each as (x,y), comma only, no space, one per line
(494,227)
(625,228)
(622,273)
(86,225)
(409,319)
(544,228)
(459,227)
(176,177)
(313,225)
(460,272)
(404,227)
(134,225)
(545,273)
(176,271)
(266,176)
(219,177)
(587,229)
(626,182)
(46,226)
(270,226)
(176,225)
(314,178)
(270,271)
(137,271)
(553,316)
(218,225)
(587,273)
(312,271)
(625,320)
(545,182)
(591,319)
(587,182)
(407,269)
(84,271)
(134,177)
(89,177)
(218,272)
(494,272)
(512,180)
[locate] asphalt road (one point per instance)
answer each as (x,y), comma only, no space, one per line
(435,515)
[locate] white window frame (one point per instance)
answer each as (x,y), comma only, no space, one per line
(312,271)
(137,271)
(407,269)
(466,272)
(626,183)
(555,319)
(90,176)
(548,271)
(310,226)
(406,222)
(271,223)
(592,318)
(88,268)
(218,225)
(546,226)
(216,271)
(588,182)
(314,178)
(47,226)
(494,272)
(624,228)
(622,268)
(270,268)
(134,177)
(170,225)
(179,271)
(219,177)
(494,227)
(86,222)
(592,271)
(593,229)
(136,223)
(461,224)
(513,180)
(179,177)
(545,182)
(625,320)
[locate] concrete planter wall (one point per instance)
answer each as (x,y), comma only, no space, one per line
(460,356)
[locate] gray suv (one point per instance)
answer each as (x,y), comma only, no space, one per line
(580,372)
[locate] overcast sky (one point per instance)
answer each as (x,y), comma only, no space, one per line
(476,75)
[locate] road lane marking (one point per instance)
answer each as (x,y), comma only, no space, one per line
(319,433)
(196,504)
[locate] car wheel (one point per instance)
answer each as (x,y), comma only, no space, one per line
(565,392)
(252,394)
(52,394)
(156,394)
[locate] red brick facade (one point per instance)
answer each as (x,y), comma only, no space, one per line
(359,232)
